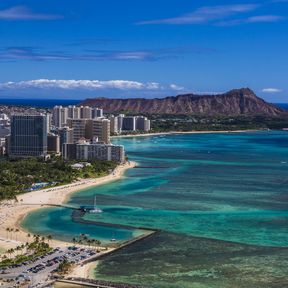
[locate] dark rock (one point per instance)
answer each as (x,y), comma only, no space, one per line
(235,102)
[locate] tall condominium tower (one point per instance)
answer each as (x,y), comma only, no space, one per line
(129,123)
(86,112)
(143,123)
(96,112)
(79,128)
(114,124)
(60,115)
(74,112)
(100,127)
(87,128)
(28,136)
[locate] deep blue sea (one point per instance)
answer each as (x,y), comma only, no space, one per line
(283,105)
(220,200)
(39,103)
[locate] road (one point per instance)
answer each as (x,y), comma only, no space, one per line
(40,271)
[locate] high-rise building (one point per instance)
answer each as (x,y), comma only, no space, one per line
(53,144)
(2,146)
(28,136)
(129,123)
(66,135)
(49,122)
(142,123)
(60,115)
(99,127)
(95,151)
(97,112)
(120,118)
(4,131)
(113,125)
(79,128)
(74,112)
(69,151)
(88,128)
(86,112)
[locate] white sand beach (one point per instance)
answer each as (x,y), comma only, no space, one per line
(84,271)
(186,132)
(11,213)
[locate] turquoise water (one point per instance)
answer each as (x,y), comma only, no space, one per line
(228,187)
(60,224)
(224,186)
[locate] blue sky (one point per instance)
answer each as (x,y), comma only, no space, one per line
(143,48)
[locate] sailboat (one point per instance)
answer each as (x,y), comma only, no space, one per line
(113,239)
(95,209)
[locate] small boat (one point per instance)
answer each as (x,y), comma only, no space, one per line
(95,209)
(113,239)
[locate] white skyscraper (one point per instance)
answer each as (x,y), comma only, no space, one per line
(59,116)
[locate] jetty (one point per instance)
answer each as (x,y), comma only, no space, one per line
(53,205)
(96,283)
(102,283)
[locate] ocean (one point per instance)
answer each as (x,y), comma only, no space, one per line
(220,201)
(38,103)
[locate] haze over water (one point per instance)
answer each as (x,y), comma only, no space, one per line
(230,187)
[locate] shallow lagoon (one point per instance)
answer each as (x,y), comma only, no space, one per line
(229,187)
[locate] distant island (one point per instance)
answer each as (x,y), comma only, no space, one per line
(235,102)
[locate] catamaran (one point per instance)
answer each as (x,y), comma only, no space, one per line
(95,209)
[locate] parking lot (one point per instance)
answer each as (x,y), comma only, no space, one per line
(36,273)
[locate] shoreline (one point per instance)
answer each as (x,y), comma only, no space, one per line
(84,271)
(186,132)
(11,214)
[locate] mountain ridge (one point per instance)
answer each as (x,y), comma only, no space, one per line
(241,101)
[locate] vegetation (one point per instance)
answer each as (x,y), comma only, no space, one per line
(84,240)
(26,252)
(64,267)
(18,176)
(165,123)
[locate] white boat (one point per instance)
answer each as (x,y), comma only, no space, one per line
(95,209)
(113,239)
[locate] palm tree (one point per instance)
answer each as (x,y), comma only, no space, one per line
(22,247)
(11,230)
(28,236)
(36,238)
(89,241)
(7,230)
(16,231)
(97,242)
(27,246)
(17,248)
(49,238)
(10,252)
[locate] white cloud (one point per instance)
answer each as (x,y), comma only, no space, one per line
(23,13)
(205,14)
(265,18)
(86,84)
(176,87)
(137,55)
(271,90)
